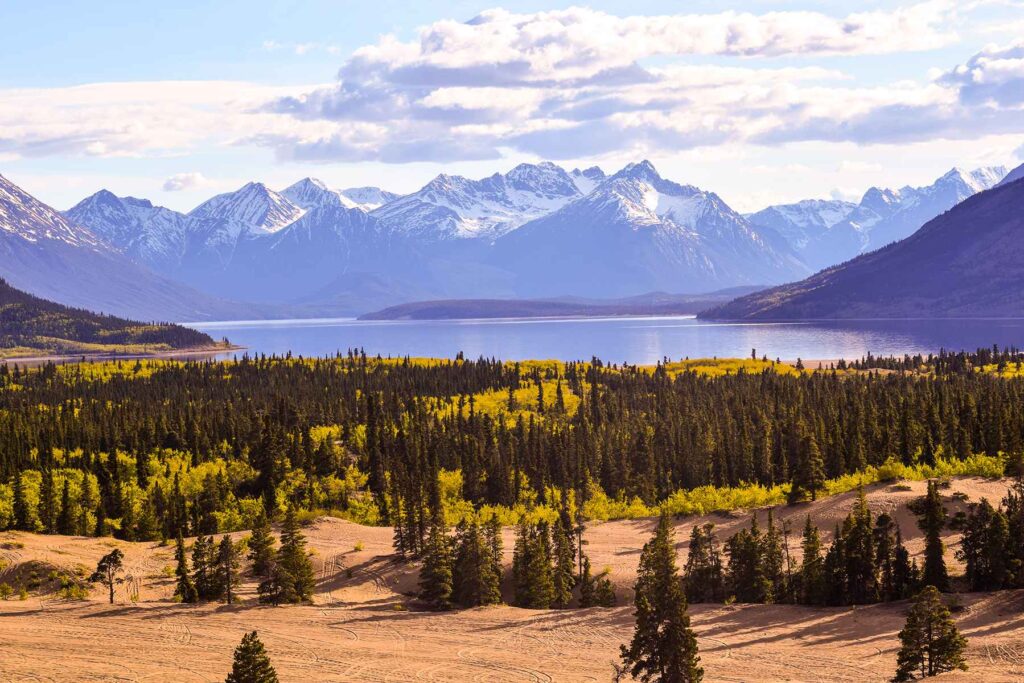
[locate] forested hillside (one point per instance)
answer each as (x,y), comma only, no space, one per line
(152,449)
(30,324)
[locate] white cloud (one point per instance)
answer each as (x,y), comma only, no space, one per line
(184,181)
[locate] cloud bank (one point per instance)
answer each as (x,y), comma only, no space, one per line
(562,84)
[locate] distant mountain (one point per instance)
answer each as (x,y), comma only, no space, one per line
(882,216)
(453,207)
(655,303)
(29,324)
(968,262)
(48,255)
(150,235)
(222,222)
(1013,176)
(638,232)
(368,198)
(804,222)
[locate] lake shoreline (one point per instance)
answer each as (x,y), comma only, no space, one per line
(167,354)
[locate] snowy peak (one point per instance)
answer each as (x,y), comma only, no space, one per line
(253,209)
(310,192)
(151,235)
(587,179)
(973,181)
(368,198)
(1013,176)
(23,216)
(455,207)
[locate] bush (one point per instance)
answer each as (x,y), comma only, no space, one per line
(6,591)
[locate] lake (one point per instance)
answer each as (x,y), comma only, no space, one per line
(639,340)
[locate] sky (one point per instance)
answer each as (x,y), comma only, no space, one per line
(762,102)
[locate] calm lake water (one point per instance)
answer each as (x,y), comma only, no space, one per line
(631,340)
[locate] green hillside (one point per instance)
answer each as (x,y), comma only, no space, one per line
(30,325)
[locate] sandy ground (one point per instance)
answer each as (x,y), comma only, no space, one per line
(364,626)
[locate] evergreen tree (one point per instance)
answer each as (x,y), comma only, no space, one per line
(931,522)
(261,546)
(47,506)
(185,589)
(746,575)
(834,570)
(251,665)
(663,648)
(564,576)
(812,571)
(930,643)
(204,569)
(84,500)
(531,568)
(885,557)
(108,570)
(227,568)
(859,544)
(22,517)
(906,576)
(772,561)
(702,574)
(984,547)
(475,582)
(66,517)
(436,572)
(292,575)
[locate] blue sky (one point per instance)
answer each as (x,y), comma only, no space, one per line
(759,101)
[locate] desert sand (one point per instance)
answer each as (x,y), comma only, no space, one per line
(364,625)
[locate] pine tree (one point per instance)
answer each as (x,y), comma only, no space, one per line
(204,568)
(858,532)
(47,508)
(108,570)
(436,572)
(475,582)
(664,647)
(564,576)
(834,570)
(261,546)
(906,576)
(772,561)
(293,569)
(227,568)
(84,500)
(185,589)
(702,574)
(931,522)
(930,643)
(985,547)
(531,568)
(746,575)
(23,520)
(251,665)
(812,571)
(66,517)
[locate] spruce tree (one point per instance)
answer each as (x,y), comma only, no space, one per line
(930,643)
(664,647)
(202,577)
(293,567)
(702,574)
(66,516)
(859,537)
(185,589)
(475,581)
(84,500)
(251,665)
(436,572)
(47,507)
(227,568)
(812,571)
(985,547)
(906,576)
(931,522)
(564,575)
(261,546)
(22,516)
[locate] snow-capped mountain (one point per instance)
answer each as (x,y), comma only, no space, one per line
(587,179)
(1013,176)
(310,192)
(638,232)
(368,198)
(804,221)
(47,254)
(150,235)
(882,216)
(252,211)
(454,207)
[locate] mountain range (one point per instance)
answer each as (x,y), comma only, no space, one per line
(537,231)
(963,263)
(827,232)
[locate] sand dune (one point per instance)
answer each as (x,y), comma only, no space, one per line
(364,627)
